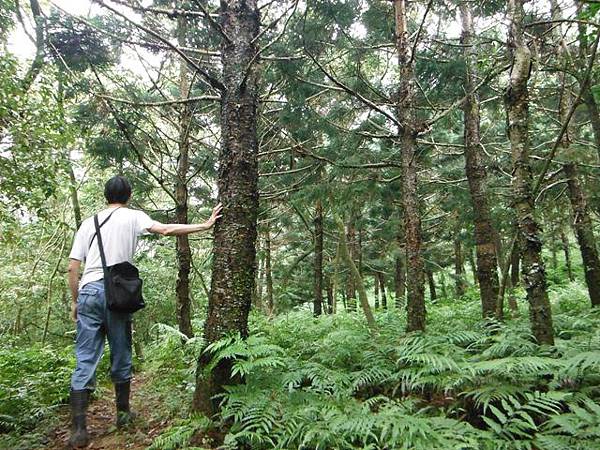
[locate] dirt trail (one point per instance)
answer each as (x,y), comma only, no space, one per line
(101,423)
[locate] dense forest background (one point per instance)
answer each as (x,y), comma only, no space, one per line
(407,256)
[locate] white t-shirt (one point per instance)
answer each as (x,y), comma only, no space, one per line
(119,239)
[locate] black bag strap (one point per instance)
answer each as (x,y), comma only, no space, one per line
(100,246)
(101,225)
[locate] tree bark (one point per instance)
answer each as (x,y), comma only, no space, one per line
(40,38)
(515,264)
(586,95)
(329,296)
(355,274)
(268,272)
(182,243)
(566,250)
(381,280)
(584,231)
(350,286)
(234,247)
(376,290)
(517,109)
(582,222)
(407,136)
(431,281)
(459,274)
(318,269)
(485,247)
(400,276)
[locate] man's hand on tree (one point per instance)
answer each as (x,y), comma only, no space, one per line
(216,214)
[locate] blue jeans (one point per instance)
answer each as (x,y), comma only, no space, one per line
(95,322)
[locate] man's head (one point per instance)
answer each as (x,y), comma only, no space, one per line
(117,190)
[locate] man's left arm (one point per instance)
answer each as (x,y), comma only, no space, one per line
(73,277)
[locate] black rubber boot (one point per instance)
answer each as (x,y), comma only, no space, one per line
(79,403)
(124,414)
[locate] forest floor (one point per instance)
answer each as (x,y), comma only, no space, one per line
(101,421)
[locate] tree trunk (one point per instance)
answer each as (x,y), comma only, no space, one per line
(407,136)
(431,281)
(459,275)
(566,250)
(268,272)
(515,264)
(234,247)
(400,276)
(582,222)
(485,233)
(74,196)
(318,269)
(517,109)
(586,94)
(584,231)
(182,243)
(381,280)
(376,290)
(443,283)
(350,286)
(473,266)
(257,298)
(355,275)
(329,296)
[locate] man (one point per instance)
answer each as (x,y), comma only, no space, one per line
(120,230)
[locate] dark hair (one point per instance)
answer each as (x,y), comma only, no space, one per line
(117,190)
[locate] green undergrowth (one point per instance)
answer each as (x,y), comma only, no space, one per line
(328,383)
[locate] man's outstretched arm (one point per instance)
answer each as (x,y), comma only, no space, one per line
(73,277)
(178,229)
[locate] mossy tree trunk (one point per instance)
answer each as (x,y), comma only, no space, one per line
(485,247)
(234,247)
(318,267)
(408,131)
(355,275)
(517,109)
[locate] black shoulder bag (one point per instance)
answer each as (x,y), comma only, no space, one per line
(122,282)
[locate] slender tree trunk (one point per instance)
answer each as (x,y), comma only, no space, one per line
(350,286)
(459,275)
(485,233)
(407,136)
(381,280)
(182,243)
(431,281)
(584,231)
(268,272)
(593,114)
(258,300)
(318,269)
(400,275)
(517,109)
(335,281)
(234,247)
(515,265)
(355,274)
(443,283)
(40,38)
(586,94)
(329,296)
(74,196)
(582,222)
(376,289)
(566,250)
(473,266)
